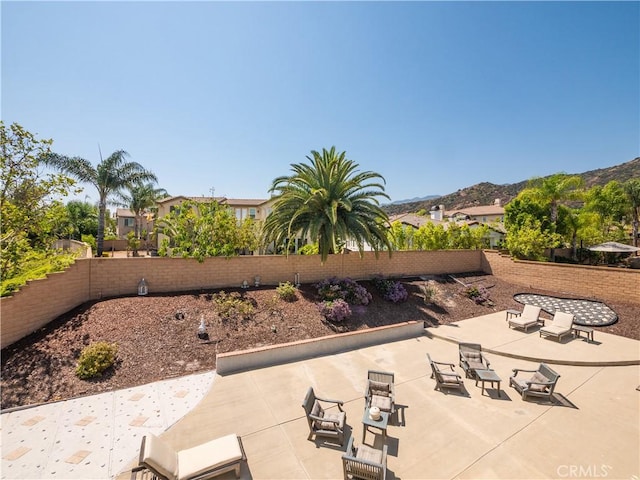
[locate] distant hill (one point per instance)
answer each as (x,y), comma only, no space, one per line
(485,193)
(415,199)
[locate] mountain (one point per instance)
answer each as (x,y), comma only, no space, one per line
(486,193)
(415,199)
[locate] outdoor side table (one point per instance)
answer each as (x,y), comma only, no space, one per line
(513,313)
(381,423)
(578,330)
(488,376)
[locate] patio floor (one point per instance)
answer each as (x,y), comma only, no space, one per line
(592,429)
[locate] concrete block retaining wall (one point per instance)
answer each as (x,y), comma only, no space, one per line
(233,362)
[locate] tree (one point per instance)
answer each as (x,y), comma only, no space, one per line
(110,177)
(632,190)
(140,199)
(30,205)
(208,229)
(610,203)
(331,202)
(555,190)
(82,219)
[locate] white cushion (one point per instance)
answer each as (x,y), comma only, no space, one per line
(208,456)
(563,320)
(530,313)
(160,457)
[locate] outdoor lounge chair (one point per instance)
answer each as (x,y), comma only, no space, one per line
(561,325)
(472,359)
(322,423)
(540,383)
(201,462)
(529,317)
(445,377)
(380,391)
(364,462)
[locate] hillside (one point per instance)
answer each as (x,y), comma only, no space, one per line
(485,193)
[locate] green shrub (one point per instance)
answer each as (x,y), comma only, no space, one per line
(309,249)
(287,291)
(35,266)
(95,359)
(231,306)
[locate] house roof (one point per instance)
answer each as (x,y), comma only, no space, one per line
(480,210)
(225,200)
(124,212)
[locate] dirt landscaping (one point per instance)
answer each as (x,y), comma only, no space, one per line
(157,337)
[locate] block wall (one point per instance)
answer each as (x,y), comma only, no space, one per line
(603,283)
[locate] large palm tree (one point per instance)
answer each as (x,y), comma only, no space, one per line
(329,201)
(110,177)
(140,199)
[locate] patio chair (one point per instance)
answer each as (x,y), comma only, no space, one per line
(529,317)
(472,359)
(364,462)
(380,391)
(201,462)
(561,325)
(540,383)
(321,422)
(444,377)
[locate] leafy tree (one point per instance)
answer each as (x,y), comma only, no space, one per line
(30,205)
(553,191)
(329,201)
(110,177)
(82,219)
(142,198)
(529,241)
(632,190)
(610,204)
(200,230)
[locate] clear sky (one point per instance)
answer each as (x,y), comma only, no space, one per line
(434,96)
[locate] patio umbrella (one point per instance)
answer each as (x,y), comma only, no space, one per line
(613,247)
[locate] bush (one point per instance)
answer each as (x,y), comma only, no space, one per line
(335,311)
(286,291)
(232,306)
(478,294)
(391,290)
(35,266)
(95,359)
(343,289)
(309,249)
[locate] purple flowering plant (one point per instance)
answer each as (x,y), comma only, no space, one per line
(391,290)
(335,311)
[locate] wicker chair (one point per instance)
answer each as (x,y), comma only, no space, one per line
(529,317)
(472,359)
(540,383)
(380,391)
(364,462)
(322,423)
(445,377)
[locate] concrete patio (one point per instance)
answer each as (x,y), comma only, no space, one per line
(591,430)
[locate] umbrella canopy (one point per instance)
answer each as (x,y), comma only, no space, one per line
(613,247)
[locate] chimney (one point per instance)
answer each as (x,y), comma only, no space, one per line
(437,212)
(496,202)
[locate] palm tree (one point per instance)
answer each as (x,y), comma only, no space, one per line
(141,198)
(554,190)
(330,202)
(632,189)
(110,177)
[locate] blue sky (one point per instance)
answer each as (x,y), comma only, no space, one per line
(434,96)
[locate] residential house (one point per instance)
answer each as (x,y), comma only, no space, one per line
(126,222)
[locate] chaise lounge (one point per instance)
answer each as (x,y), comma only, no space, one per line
(529,317)
(561,325)
(201,462)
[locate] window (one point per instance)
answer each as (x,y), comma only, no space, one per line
(252,213)
(129,222)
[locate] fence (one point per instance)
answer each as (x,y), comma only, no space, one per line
(41,301)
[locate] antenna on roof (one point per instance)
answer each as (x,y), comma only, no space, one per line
(213,191)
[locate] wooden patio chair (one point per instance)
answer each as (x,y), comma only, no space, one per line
(364,462)
(472,359)
(445,377)
(380,391)
(323,423)
(540,382)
